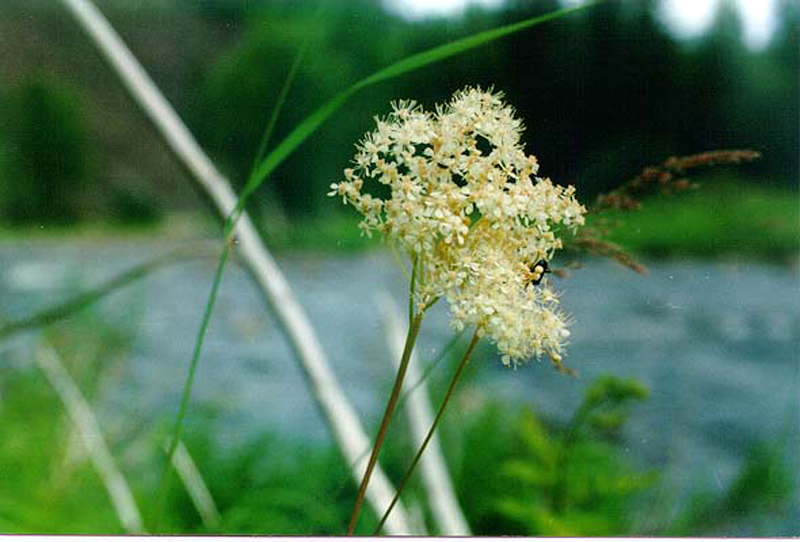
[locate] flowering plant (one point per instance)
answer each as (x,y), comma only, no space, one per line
(465,203)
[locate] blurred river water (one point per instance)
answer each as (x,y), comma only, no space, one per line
(717,344)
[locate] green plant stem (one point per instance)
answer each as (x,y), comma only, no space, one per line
(404,396)
(415,271)
(461,366)
(411,339)
(187,388)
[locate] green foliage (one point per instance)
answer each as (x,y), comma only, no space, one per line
(721,217)
(46,154)
(575,484)
(268,485)
(486,442)
(523,477)
(601,487)
(265,485)
(576,480)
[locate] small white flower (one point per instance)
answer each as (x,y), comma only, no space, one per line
(475,219)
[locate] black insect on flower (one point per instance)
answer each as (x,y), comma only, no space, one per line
(536,272)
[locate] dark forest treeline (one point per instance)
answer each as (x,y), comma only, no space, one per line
(603,93)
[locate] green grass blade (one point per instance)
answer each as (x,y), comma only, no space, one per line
(212,298)
(447,50)
(284,149)
(57,313)
(413,62)
(273,118)
(287,85)
(187,388)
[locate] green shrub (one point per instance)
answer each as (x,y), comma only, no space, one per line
(546,480)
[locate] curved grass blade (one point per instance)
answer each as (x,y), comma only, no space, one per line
(413,62)
(287,85)
(57,313)
(283,150)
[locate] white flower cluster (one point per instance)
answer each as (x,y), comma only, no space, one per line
(461,196)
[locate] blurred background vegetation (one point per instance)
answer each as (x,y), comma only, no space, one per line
(604,93)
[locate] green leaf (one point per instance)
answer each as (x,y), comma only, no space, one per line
(614,390)
(524,472)
(607,422)
(534,436)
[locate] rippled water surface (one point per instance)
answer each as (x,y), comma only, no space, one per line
(717,344)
